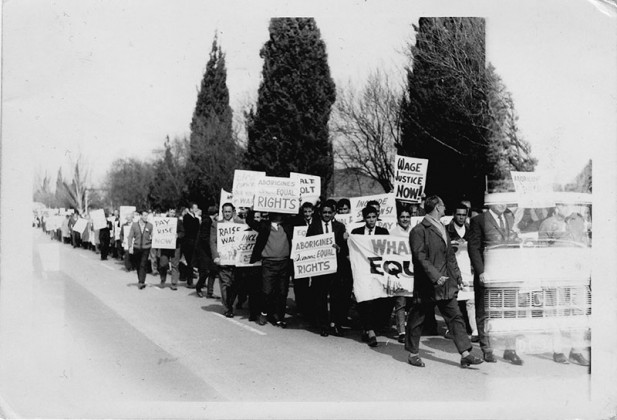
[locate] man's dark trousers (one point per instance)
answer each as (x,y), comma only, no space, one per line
(452,315)
(140,259)
(275,286)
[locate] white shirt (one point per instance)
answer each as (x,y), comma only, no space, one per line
(460,230)
(323,226)
(497,217)
(398,230)
(372,231)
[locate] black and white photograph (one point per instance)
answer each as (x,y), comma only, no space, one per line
(348,209)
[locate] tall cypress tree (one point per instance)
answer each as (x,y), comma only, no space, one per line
(213,150)
(288,130)
(457,112)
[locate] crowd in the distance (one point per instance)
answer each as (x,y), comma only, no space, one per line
(325,303)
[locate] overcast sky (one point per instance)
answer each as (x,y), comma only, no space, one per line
(111,79)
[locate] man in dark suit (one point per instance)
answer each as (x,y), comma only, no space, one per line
(369,309)
(331,284)
(489,228)
(436,282)
(191,231)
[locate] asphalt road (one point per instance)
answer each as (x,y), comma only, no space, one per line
(84,342)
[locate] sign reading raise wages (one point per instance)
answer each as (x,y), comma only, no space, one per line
(314,255)
(409,178)
(164,235)
(226,241)
(275,194)
(381,266)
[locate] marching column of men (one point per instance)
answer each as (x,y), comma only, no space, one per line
(327,300)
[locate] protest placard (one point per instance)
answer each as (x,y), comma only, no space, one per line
(381,266)
(80,225)
(276,194)
(532,189)
(409,178)
(314,255)
(98,219)
(226,197)
(243,188)
(125,242)
(346,219)
(387,206)
(300,231)
(164,234)
(245,242)
(310,187)
(226,241)
(125,211)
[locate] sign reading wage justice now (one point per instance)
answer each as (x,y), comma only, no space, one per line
(245,242)
(164,234)
(243,188)
(226,241)
(314,255)
(409,178)
(276,194)
(381,266)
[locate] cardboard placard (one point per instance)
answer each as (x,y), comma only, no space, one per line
(409,178)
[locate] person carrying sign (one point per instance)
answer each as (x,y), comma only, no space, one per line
(272,247)
(369,309)
(436,281)
(226,272)
(331,284)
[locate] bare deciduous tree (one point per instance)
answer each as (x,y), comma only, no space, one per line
(367,129)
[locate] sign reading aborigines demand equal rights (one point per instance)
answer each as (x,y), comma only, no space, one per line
(278,195)
(243,189)
(409,178)
(314,255)
(164,234)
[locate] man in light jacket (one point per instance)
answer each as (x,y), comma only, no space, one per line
(140,236)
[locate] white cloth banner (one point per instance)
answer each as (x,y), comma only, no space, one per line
(80,225)
(464,264)
(314,255)
(125,242)
(226,241)
(310,186)
(164,234)
(243,189)
(381,266)
(98,219)
(245,243)
(275,194)
(409,178)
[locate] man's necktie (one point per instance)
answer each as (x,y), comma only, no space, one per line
(327,231)
(501,224)
(370,231)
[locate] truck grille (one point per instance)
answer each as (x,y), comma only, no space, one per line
(543,303)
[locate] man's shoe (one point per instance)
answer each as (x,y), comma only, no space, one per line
(401,338)
(141,286)
(210,296)
(415,360)
(579,359)
(337,331)
(512,357)
(475,338)
(489,357)
(560,358)
(253,318)
(160,285)
(190,286)
(281,324)
(229,314)
(263,320)
(372,341)
(469,360)
(324,332)
(448,335)
(173,287)
(199,294)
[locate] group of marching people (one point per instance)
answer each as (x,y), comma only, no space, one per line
(325,300)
